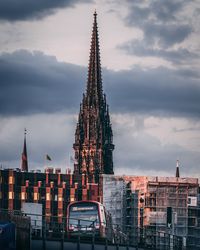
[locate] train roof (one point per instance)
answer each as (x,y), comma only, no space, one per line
(91,201)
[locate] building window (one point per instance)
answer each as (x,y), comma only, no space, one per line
(10,180)
(182,203)
(182,212)
(35,196)
(48,196)
(10,195)
(192,191)
(23,196)
(60,198)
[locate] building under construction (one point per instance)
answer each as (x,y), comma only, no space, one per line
(113,198)
(122,203)
(165,204)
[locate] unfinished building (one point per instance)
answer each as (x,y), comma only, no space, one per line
(165,204)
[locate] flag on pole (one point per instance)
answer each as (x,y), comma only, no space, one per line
(48,158)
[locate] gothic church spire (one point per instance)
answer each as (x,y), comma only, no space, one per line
(93,137)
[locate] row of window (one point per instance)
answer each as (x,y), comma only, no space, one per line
(35,196)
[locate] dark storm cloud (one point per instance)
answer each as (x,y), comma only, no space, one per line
(157,91)
(150,155)
(176,56)
(167,10)
(36,83)
(32,9)
(168,34)
(154,11)
(160,21)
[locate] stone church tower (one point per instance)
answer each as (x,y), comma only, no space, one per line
(93,137)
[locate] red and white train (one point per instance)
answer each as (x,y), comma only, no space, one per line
(86,218)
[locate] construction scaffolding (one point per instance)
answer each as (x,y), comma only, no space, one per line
(167,205)
(131,215)
(122,203)
(114,198)
(193,238)
(176,193)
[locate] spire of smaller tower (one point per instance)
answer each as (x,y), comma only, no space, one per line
(24,162)
(177,169)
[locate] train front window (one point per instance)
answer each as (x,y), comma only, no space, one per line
(85,214)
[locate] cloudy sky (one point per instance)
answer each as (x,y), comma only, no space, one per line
(150,54)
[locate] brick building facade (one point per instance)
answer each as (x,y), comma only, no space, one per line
(54,190)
